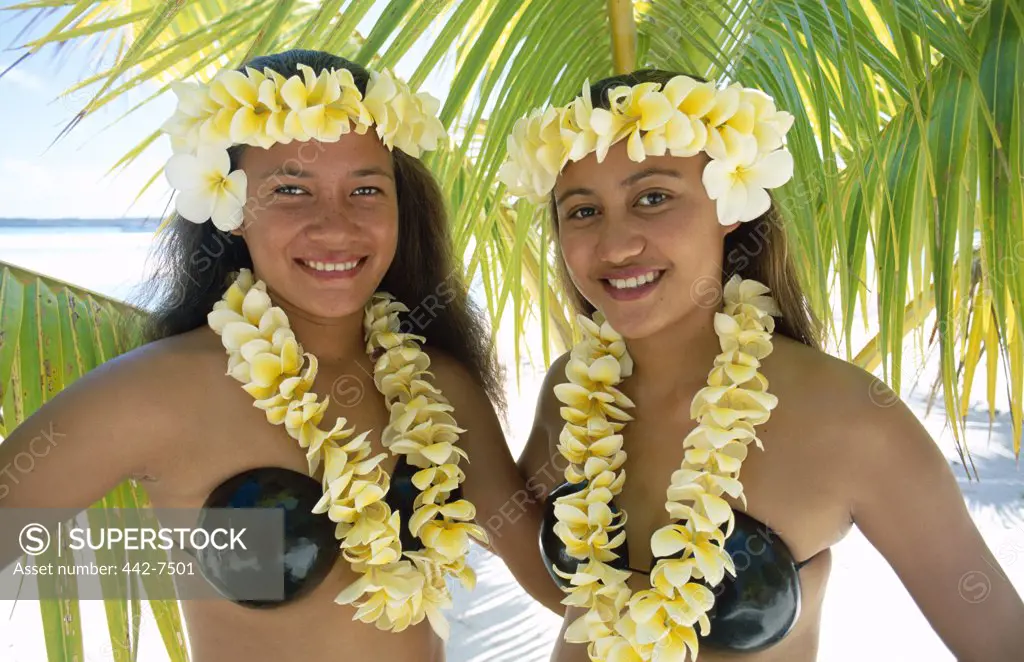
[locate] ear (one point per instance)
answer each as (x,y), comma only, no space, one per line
(726,229)
(240,230)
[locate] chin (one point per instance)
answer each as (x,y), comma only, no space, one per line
(634,327)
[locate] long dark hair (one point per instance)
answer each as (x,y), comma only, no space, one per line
(195,261)
(756,249)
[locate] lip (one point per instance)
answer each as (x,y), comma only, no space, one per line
(332,275)
(631,293)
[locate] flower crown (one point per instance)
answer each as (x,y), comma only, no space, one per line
(738,127)
(261,109)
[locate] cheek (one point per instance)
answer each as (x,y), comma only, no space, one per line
(685,240)
(267,233)
(381,226)
(577,248)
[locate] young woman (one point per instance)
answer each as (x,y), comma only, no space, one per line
(314,351)
(703,359)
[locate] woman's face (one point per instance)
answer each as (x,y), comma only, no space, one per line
(641,241)
(321,220)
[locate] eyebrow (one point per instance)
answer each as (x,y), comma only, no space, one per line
(299,173)
(632,179)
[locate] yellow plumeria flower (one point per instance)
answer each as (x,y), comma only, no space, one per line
(238,95)
(194,107)
(449,538)
(403,119)
(434,595)
(704,547)
(668,623)
(770,124)
(600,339)
(724,461)
(312,101)
(751,298)
(436,483)
(396,591)
(739,128)
(373,538)
(584,525)
(578,136)
(536,155)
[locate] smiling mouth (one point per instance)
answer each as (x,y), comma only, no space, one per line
(634,287)
(331,270)
(636,282)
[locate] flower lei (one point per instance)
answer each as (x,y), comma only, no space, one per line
(396,589)
(738,127)
(658,624)
(263,108)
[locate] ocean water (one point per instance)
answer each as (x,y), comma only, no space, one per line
(105,259)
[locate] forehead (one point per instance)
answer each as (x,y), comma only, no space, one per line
(617,166)
(351,152)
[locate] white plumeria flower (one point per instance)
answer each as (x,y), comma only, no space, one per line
(206,188)
(770,125)
(536,155)
(404,120)
(738,184)
(194,107)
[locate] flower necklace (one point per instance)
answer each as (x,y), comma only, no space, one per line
(658,623)
(397,589)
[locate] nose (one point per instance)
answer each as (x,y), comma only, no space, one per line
(332,221)
(619,240)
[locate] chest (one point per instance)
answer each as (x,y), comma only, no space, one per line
(225,434)
(784,484)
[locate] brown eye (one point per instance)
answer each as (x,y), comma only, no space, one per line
(366,188)
(576,213)
(658,195)
(289,189)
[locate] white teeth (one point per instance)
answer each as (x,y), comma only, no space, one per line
(331,266)
(625,283)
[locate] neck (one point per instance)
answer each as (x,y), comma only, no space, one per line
(331,340)
(674,362)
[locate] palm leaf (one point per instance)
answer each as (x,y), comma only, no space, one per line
(51,333)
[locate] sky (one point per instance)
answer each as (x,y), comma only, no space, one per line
(69,179)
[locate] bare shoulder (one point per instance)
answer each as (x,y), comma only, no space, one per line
(542,443)
(865,428)
(449,370)
(143,393)
(548,409)
(820,382)
(170,367)
(123,419)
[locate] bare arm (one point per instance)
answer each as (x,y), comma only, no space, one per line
(540,465)
(504,504)
(99,431)
(908,504)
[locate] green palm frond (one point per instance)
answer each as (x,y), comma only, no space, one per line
(51,333)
